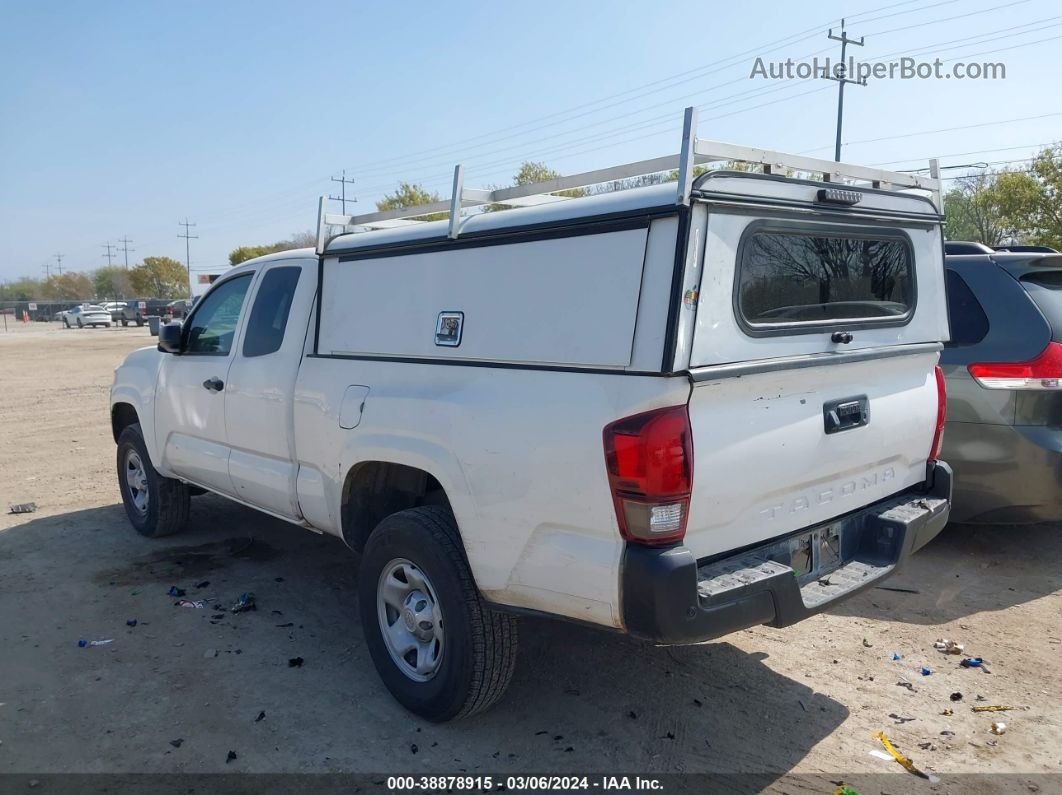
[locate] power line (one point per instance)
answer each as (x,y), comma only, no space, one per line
(109,254)
(187,251)
(59,261)
(342,198)
(842,79)
(125,249)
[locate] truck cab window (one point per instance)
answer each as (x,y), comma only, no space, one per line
(212,327)
(269,315)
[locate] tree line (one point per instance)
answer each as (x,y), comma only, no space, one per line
(154,277)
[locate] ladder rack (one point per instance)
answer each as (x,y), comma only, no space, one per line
(694,151)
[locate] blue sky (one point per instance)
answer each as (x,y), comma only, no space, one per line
(122,118)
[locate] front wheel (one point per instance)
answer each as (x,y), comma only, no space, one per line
(80,324)
(438,647)
(156,506)
(66,322)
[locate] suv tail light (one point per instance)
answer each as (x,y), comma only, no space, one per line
(1043,372)
(942,413)
(649,458)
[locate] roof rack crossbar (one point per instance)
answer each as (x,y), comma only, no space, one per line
(693,152)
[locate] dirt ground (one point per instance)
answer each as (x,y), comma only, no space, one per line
(805,700)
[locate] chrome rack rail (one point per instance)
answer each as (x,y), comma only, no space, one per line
(694,152)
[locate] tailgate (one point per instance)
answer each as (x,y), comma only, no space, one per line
(816,335)
(765,464)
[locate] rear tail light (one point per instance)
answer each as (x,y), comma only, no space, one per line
(942,413)
(649,458)
(1043,372)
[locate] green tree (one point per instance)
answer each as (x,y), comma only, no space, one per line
(298,240)
(160,277)
(1031,200)
(112,282)
(974,210)
(70,286)
(24,289)
(410,194)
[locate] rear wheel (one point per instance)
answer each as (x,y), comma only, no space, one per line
(438,647)
(139,321)
(156,506)
(124,322)
(80,324)
(66,322)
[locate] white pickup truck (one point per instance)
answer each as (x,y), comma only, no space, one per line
(673,411)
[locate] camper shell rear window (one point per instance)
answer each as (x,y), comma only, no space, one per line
(796,278)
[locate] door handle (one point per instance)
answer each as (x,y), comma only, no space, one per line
(214,384)
(842,415)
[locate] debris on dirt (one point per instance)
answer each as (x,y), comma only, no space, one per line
(244,603)
(801,703)
(539,734)
(278,579)
(295,662)
(22,507)
(867,644)
(998,727)
(175,591)
(698,703)
(83,643)
(948,646)
(196,604)
(908,685)
(261,717)
(844,789)
(217,616)
(896,589)
(230,757)
(202,584)
(670,736)
(900,718)
(632,715)
(209,653)
(948,713)
(413,748)
(896,656)
(177,743)
(956,696)
(905,762)
(926,671)
(972,662)
(993,708)
(285,626)
(927,746)
(130,622)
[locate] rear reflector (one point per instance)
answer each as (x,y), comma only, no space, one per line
(649,458)
(1043,372)
(942,413)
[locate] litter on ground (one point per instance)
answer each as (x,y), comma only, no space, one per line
(23,507)
(907,764)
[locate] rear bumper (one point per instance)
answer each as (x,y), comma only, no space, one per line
(669,598)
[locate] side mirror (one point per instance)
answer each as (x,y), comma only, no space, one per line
(170,338)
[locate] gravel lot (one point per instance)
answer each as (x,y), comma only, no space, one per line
(805,700)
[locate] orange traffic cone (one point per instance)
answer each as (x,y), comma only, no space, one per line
(25,316)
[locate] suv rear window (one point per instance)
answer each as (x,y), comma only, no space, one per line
(795,277)
(1045,289)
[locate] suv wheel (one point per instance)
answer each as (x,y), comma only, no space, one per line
(438,647)
(124,322)
(80,324)
(156,506)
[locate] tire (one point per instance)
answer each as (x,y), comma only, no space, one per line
(163,510)
(139,322)
(66,322)
(475,656)
(124,322)
(80,324)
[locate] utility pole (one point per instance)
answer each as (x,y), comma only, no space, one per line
(59,259)
(342,197)
(109,255)
(47,270)
(187,250)
(125,249)
(841,76)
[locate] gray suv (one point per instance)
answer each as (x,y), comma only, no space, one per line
(1003,369)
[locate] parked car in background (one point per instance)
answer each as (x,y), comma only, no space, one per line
(965,247)
(1026,249)
(115,309)
(87,315)
(60,314)
(1003,368)
(179,309)
(133,312)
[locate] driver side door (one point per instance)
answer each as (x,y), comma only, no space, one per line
(190,398)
